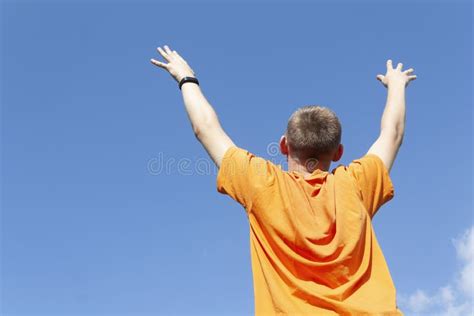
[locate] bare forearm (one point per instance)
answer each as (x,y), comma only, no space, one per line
(393,118)
(205,123)
(200,112)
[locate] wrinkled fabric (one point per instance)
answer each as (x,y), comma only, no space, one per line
(313,248)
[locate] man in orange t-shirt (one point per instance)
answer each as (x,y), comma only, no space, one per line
(313,247)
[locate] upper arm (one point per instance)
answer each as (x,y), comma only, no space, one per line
(243,176)
(386,147)
(373,181)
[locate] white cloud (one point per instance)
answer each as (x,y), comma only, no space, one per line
(454,299)
(465,251)
(419,301)
(446,295)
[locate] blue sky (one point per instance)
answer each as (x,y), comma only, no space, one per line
(90,227)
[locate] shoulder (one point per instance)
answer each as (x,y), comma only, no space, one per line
(238,162)
(364,161)
(236,157)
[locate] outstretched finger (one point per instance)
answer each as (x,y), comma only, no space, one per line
(159,63)
(380,77)
(412,77)
(399,66)
(389,64)
(177,55)
(163,53)
(168,50)
(409,71)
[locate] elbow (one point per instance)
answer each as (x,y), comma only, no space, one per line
(395,135)
(398,135)
(198,131)
(203,129)
(399,139)
(205,125)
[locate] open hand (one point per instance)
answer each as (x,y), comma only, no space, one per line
(394,76)
(176,66)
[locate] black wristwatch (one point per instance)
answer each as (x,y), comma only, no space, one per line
(188,79)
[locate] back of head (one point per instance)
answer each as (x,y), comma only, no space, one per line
(313,132)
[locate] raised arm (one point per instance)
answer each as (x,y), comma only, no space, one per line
(393,119)
(203,118)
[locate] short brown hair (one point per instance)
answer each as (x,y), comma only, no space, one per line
(313,131)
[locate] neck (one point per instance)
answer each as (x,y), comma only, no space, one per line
(307,167)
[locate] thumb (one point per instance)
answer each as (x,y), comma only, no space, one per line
(380,77)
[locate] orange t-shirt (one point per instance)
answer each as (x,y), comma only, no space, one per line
(313,248)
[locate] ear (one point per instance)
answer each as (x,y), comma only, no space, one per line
(283,146)
(338,153)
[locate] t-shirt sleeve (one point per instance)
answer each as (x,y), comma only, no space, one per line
(243,176)
(373,181)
